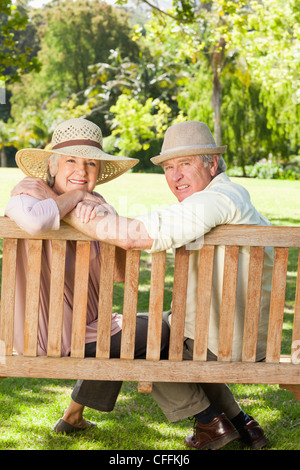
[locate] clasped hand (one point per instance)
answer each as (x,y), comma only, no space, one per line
(87,205)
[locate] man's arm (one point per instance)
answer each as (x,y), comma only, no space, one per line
(114,229)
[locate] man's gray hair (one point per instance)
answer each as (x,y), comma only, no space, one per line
(208,159)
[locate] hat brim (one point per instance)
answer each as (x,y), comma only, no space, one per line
(186,152)
(34,162)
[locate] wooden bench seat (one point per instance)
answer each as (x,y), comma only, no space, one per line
(277,369)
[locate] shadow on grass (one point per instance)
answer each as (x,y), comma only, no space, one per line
(30,407)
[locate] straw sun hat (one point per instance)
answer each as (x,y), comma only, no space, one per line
(185,139)
(76,137)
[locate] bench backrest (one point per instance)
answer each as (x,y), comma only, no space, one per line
(282,238)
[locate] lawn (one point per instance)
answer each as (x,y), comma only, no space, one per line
(30,407)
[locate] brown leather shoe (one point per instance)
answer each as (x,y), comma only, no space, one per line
(213,435)
(253,435)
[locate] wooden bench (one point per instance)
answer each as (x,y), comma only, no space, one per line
(277,369)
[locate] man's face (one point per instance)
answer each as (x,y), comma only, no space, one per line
(188,175)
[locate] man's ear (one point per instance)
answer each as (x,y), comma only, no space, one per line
(214,165)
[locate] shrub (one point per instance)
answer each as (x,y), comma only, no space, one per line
(267,169)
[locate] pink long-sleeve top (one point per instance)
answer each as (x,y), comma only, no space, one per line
(35,217)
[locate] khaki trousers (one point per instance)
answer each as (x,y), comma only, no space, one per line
(183,400)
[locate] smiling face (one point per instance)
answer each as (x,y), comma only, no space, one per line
(188,175)
(75,173)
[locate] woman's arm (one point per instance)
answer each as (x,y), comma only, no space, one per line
(32,215)
(65,202)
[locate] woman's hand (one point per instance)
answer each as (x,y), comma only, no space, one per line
(86,211)
(88,208)
(34,187)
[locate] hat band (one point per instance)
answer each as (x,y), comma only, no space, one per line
(70,143)
(189,147)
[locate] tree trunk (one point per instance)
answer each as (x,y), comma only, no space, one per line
(3,157)
(217,65)
(216,105)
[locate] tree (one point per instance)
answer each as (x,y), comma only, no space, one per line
(258,40)
(73,36)
(7,138)
(136,126)
(76,35)
(153,76)
(16,58)
(210,22)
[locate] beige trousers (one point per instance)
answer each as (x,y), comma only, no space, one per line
(183,400)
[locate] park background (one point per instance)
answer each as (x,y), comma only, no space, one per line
(134,69)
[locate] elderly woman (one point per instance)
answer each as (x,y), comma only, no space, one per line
(60,179)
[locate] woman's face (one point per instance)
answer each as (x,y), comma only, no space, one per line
(75,173)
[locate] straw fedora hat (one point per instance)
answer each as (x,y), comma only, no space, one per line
(76,137)
(187,138)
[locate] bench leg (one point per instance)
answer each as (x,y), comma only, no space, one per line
(295,389)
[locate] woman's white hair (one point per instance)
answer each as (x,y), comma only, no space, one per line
(53,159)
(50,177)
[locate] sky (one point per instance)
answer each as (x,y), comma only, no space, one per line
(40,3)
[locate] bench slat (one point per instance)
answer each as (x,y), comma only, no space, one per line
(179,303)
(242,235)
(56,303)
(253,304)
(277,304)
(227,313)
(296,326)
(32,297)
(151,371)
(205,275)
(106,288)
(80,298)
(130,304)
(253,235)
(156,303)
(8,287)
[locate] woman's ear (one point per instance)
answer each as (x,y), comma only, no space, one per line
(52,173)
(53,165)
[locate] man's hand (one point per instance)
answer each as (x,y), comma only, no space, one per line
(34,187)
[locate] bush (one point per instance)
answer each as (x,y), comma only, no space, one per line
(267,169)
(293,166)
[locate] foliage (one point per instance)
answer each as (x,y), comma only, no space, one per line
(73,36)
(233,65)
(259,115)
(135,126)
(267,169)
(15,55)
(271,47)
(7,138)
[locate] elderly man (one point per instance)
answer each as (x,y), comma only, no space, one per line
(194,170)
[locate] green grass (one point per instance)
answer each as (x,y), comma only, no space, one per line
(30,407)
